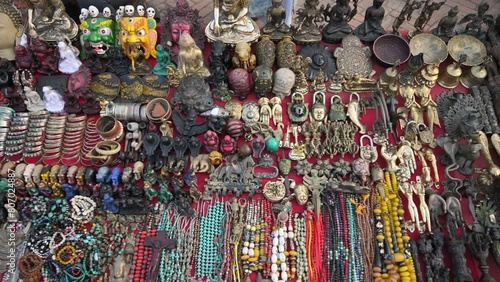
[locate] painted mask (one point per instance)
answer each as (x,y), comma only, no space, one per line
(99,31)
(139,31)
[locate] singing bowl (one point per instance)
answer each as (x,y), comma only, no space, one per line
(433,47)
(468,45)
(390,48)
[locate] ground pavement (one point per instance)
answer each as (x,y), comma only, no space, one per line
(392,9)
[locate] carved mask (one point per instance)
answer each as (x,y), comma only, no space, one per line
(178,27)
(138,31)
(100,32)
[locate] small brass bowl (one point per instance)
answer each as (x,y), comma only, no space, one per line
(468,45)
(433,47)
(390,48)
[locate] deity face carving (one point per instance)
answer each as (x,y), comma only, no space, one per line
(178,28)
(140,32)
(100,33)
(319,113)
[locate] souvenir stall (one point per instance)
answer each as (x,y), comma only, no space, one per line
(140,145)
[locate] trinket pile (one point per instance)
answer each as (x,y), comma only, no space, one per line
(277,162)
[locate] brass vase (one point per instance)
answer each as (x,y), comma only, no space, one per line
(286,52)
(266,51)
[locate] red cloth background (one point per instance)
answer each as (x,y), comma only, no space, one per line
(368,119)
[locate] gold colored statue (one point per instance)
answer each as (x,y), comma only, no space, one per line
(48,20)
(359,84)
(428,105)
(191,59)
(411,106)
(231,23)
(11,29)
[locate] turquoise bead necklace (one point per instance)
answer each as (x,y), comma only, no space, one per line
(211,230)
(164,225)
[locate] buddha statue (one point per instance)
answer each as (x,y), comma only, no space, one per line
(191,60)
(446,26)
(372,28)
(48,20)
(175,21)
(276,26)
(11,29)
(338,18)
(33,101)
(232,23)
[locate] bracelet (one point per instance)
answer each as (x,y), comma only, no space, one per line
(108,147)
(66,255)
(108,127)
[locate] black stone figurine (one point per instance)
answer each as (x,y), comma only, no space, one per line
(338,18)
(371,28)
(446,26)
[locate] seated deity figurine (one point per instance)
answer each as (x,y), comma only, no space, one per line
(372,28)
(137,29)
(307,30)
(33,101)
(191,60)
(11,29)
(178,20)
(232,23)
(99,31)
(276,26)
(446,26)
(338,18)
(48,20)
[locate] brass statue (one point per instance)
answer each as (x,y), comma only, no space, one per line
(446,26)
(307,30)
(191,60)
(476,21)
(405,14)
(11,30)
(48,20)
(425,16)
(231,23)
(276,26)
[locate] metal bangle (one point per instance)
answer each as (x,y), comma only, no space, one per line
(51,150)
(74,118)
(33,149)
(57,131)
(18,128)
(21,115)
(35,134)
(15,137)
(34,143)
(39,113)
(14,142)
(37,124)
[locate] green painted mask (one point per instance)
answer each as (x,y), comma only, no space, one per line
(100,32)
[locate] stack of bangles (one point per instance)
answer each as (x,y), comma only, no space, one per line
(91,139)
(5,119)
(53,138)
(109,128)
(128,112)
(73,139)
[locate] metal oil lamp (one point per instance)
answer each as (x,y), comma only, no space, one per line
(451,76)
(388,81)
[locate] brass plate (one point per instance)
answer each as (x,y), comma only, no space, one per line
(433,47)
(469,45)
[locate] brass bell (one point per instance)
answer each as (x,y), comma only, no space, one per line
(388,81)
(476,75)
(451,77)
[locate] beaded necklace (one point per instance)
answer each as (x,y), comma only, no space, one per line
(356,269)
(166,255)
(209,259)
(300,240)
(141,256)
(226,264)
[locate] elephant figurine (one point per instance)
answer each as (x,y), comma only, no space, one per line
(243,57)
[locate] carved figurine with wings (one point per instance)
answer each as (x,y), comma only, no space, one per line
(476,21)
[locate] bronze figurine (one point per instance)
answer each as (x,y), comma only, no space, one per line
(405,14)
(446,27)
(276,26)
(338,18)
(372,28)
(307,30)
(425,16)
